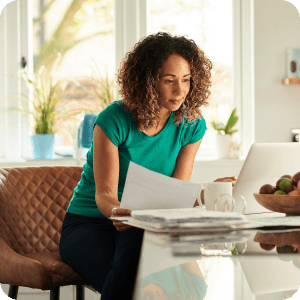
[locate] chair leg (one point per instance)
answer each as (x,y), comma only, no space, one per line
(80,292)
(13,291)
(54,294)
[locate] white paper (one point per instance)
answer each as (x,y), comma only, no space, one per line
(146,189)
(187,215)
(277,221)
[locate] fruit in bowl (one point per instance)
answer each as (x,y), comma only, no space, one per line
(282,197)
(267,189)
(285,185)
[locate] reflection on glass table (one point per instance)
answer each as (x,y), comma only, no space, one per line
(263,264)
(276,260)
(179,282)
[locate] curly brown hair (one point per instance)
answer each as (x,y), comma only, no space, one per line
(138,78)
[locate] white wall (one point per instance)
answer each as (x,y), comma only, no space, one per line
(277,106)
(208,171)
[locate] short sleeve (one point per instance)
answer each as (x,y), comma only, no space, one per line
(114,121)
(193,132)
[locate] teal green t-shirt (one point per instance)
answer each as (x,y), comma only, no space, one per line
(157,153)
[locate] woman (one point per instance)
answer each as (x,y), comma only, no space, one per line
(163,81)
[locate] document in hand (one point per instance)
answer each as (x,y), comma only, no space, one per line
(146,189)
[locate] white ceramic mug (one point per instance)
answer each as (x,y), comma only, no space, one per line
(217,196)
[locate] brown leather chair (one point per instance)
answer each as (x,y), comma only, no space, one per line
(33,203)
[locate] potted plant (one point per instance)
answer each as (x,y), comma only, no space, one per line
(224,134)
(96,90)
(42,110)
(100,88)
(83,95)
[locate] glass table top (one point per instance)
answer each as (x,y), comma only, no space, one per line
(234,265)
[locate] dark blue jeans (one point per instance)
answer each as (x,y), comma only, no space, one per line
(104,257)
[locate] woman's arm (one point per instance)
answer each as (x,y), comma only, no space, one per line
(184,166)
(192,267)
(185,162)
(106,173)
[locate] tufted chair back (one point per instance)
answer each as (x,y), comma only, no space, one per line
(33,206)
(33,203)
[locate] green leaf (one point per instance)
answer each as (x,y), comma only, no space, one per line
(231,122)
(232,131)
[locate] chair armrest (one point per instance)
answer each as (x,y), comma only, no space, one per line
(18,270)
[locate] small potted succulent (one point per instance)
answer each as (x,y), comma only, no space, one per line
(224,134)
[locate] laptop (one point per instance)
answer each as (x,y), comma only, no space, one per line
(264,164)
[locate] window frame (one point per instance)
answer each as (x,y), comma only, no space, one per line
(128,14)
(15,22)
(243,70)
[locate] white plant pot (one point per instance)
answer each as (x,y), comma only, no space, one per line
(222,145)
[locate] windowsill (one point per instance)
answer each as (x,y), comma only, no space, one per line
(71,161)
(65,161)
(65,158)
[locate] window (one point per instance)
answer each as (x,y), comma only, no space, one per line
(81,38)
(127,21)
(209,24)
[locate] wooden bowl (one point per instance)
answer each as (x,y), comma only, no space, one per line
(290,205)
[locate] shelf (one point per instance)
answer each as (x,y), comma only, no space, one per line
(291,81)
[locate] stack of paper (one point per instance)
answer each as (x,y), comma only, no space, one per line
(171,217)
(195,220)
(185,219)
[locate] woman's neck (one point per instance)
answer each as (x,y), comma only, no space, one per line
(164,115)
(159,126)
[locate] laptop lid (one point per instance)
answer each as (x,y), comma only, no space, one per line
(264,164)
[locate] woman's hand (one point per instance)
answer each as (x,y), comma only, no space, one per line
(231,179)
(120,212)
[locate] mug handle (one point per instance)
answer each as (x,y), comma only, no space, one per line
(199,197)
(244,248)
(232,201)
(226,249)
(244,201)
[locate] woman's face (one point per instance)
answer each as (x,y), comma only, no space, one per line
(174,82)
